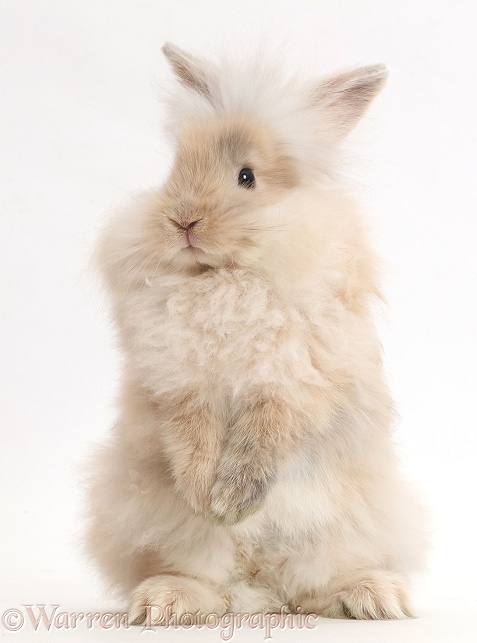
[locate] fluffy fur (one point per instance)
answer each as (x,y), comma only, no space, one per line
(251,464)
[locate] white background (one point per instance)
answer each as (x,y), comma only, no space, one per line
(80,130)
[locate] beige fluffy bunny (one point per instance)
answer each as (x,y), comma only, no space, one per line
(251,465)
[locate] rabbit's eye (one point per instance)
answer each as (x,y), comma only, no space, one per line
(246,178)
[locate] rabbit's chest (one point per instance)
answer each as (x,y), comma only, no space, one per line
(224,326)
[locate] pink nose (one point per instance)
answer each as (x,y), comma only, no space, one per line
(188,236)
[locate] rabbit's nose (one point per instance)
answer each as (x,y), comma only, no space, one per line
(182,225)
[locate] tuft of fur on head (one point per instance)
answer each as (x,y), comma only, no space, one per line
(309,117)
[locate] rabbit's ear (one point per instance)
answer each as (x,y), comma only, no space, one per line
(190,71)
(343,99)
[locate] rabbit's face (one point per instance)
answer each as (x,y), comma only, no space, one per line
(235,180)
(213,208)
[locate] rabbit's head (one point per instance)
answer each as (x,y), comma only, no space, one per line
(248,143)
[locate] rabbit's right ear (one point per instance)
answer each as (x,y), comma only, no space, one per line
(192,72)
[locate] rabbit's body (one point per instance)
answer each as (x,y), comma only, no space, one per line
(252,464)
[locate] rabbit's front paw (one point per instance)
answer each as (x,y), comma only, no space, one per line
(194,485)
(238,492)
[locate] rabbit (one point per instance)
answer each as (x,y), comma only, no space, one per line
(252,464)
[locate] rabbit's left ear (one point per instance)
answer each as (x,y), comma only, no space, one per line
(195,74)
(343,99)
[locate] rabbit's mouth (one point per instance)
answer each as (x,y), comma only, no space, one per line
(192,249)
(189,242)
